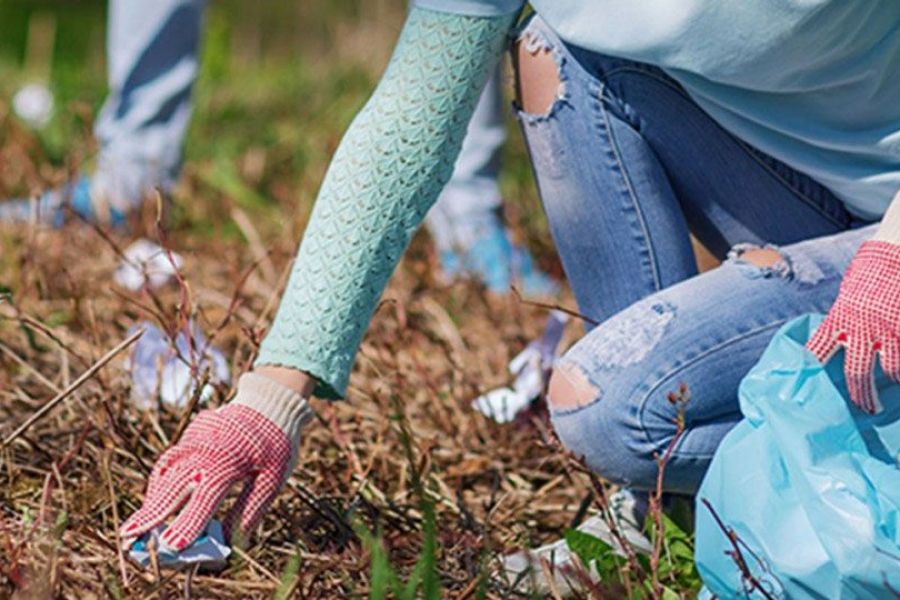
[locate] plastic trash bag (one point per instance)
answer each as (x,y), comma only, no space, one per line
(33,103)
(208,551)
(809,484)
(146,263)
(160,370)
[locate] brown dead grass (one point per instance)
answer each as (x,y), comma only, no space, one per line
(72,477)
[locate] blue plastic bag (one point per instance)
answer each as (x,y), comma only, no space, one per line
(809,484)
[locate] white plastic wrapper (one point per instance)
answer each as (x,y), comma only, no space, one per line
(209,551)
(148,264)
(162,370)
(531,369)
(33,104)
(502,404)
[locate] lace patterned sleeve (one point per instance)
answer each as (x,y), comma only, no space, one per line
(387,172)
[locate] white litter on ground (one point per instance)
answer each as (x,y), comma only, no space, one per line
(531,369)
(209,551)
(33,103)
(162,370)
(146,263)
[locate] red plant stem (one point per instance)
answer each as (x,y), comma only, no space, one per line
(656,504)
(736,555)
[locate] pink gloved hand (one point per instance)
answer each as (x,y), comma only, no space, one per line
(865,321)
(253,441)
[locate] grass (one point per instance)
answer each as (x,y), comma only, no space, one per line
(401,491)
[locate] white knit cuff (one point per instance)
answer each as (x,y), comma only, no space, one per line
(889,230)
(278,403)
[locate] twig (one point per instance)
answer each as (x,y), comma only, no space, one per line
(189,409)
(569,311)
(25,365)
(72,387)
(37,325)
(255,564)
(680,400)
(735,553)
(113,503)
(256,246)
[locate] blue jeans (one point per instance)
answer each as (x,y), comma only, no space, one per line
(627,165)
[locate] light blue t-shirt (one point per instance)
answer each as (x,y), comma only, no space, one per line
(814,83)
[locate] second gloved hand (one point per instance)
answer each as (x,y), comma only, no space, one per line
(252,441)
(865,321)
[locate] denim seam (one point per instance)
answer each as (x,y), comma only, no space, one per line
(816,206)
(752,152)
(654,266)
(681,367)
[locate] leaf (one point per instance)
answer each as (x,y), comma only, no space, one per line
(224,177)
(670,594)
(57,318)
(425,571)
(60,524)
(424,576)
(382,577)
(431,584)
(291,570)
(677,561)
(591,549)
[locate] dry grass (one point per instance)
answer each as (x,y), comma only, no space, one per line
(69,480)
(258,148)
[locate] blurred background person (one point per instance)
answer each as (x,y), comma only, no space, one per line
(152,58)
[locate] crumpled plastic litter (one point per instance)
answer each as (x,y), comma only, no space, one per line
(33,103)
(531,369)
(159,370)
(209,550)
(808,483)
(146,263)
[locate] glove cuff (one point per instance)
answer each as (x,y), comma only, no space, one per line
(280,404)
(889,229)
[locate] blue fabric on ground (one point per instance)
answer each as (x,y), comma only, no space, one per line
(499,264)
(52,207)
(809,484)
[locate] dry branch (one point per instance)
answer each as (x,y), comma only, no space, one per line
(84,377)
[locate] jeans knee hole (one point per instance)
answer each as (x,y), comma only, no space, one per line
(540,79)
(570,389)
(771,261)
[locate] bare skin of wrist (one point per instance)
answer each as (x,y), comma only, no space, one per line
(299,381)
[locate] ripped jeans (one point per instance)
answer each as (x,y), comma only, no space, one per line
(627,165)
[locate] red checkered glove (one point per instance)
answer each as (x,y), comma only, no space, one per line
(253,440)
(865,321)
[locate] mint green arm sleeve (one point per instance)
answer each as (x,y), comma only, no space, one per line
(388,171)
